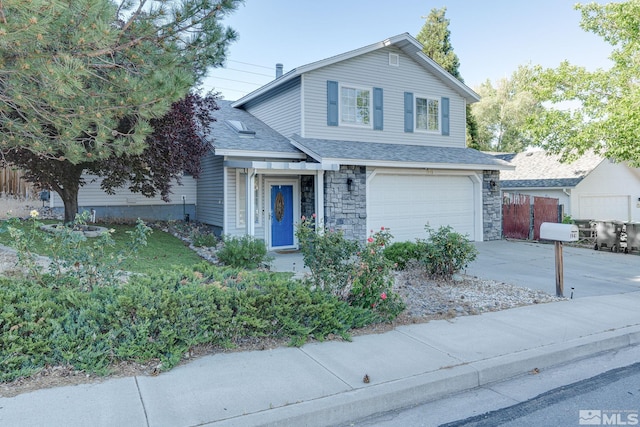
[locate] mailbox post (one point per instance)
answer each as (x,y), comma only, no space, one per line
(559,233)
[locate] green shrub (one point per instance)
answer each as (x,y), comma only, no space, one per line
(445,252)
(373,283)
(160,317)
(243,252)
(402,253)
(329,256)
(200,239)
(355,272)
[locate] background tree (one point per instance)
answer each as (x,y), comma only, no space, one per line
(176,146)
(82,80)
(436,40)
(504,112)
(595,110)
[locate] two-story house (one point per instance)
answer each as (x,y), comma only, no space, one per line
(371,138)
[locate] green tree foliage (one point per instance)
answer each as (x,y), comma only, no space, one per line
(436,40)
(595,110)
(81,80)
(504,111)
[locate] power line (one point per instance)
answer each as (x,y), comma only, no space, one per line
(248,63)
(243,92)
(250,72)
(237,81)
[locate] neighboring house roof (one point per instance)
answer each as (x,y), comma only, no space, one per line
(538,169)
(405,42)
(379,154)
(266,142)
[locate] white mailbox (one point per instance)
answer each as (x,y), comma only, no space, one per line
(559,232)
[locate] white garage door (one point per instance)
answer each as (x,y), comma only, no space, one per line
(406,203)
(605,207)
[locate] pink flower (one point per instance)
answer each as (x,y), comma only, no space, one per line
(383,296)
(370,240)
(313,216)
(304,218)
(382,228)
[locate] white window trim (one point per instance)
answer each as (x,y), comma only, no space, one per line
(349,124)
(415,114)
(258,203)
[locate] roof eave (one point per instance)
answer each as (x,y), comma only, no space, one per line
(257,153)
(412,165)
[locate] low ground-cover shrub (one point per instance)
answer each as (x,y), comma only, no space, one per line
(161,317)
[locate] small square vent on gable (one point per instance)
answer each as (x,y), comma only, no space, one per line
(240,128)
(394,59)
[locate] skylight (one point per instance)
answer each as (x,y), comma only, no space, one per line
(240,127)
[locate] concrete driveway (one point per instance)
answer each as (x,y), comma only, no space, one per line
(532,265)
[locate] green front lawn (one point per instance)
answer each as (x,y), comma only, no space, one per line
(162,252)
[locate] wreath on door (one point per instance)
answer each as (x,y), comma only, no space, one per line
(279,206)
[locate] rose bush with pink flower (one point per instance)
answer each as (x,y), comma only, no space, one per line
(356,272)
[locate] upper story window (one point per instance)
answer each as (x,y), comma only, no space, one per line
(427,114)
(355,106)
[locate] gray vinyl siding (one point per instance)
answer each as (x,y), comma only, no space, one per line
(395,81)
(92,195)
(281,112)
(210,208)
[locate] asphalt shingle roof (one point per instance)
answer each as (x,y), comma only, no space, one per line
(265,139)
(347,152)
(540,169)
(358,151)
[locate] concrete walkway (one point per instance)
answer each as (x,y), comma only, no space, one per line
(322,384)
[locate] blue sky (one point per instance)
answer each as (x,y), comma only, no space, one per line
(491,38)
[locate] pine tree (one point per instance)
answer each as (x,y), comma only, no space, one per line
(82,80)
(436,40)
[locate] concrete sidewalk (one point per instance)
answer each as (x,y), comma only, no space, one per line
(322,384)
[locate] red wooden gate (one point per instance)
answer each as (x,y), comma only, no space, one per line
(516,214)
(545,209)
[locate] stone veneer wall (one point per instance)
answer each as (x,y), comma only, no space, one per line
(343,209)
(308,195)
(491,206)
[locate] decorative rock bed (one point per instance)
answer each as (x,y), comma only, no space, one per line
(86,230)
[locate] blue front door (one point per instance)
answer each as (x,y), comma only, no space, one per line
(281,215)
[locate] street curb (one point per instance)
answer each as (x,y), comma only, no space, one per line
(360,403)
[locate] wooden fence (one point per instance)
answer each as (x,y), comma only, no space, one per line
(521,217)
(12,184)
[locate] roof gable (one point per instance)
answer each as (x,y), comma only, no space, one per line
(405,42)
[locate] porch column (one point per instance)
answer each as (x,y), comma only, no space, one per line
(249,221)
(319,202)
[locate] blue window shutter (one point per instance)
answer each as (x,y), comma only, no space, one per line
(408,112)
(378,117)
(444,104)
(332,103)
